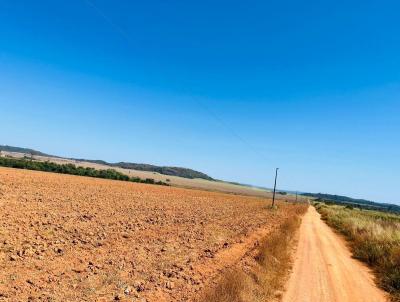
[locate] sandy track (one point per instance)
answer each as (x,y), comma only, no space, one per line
(324,269)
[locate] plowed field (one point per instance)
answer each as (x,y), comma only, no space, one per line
(71,238)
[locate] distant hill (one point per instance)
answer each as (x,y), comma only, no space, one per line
(175,171)
(22,150)
(354,201)
(245,185)
(172,171)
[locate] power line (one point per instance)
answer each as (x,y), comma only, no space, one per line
(109,20)
(199,103)
(229,128)
(273,196)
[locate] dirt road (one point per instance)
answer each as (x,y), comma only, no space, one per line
(324,269)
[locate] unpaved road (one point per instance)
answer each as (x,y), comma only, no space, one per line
(324,269)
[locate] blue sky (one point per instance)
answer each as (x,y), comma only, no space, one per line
(230,88)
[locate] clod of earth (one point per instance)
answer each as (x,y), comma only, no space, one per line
(78,238)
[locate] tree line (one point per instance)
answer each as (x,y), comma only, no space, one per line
(29,164)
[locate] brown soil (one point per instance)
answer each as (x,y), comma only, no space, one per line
(71,238)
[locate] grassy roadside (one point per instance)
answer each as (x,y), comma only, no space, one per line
(375,239)
(264,275)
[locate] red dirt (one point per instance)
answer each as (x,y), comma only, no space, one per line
(71,238)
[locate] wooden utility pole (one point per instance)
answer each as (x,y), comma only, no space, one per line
(296,196)
(273,196)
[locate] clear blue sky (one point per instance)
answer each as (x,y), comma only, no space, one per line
(231,88)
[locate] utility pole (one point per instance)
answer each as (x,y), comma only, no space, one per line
(296,196)
(273,196)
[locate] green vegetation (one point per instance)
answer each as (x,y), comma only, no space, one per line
(375,238)
(173,171)
(71,169)
(361,203)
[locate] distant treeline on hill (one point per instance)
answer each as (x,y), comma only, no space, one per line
(28,164)
(23,150)
(172,171)
(363,203)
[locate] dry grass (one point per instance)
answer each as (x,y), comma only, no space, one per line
(231,288)
(263,276)
(375,238)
